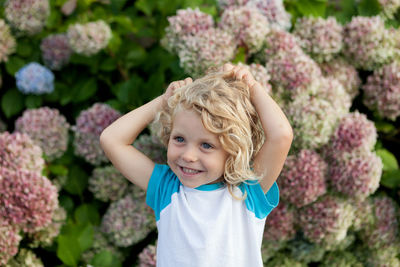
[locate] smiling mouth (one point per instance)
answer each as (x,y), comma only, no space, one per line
(189,171)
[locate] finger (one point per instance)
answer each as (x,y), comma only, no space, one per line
(239,74)
(188,80)
(227,67)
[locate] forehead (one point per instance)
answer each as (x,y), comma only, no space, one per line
(189,122)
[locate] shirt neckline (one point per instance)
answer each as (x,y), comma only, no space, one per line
(210,187)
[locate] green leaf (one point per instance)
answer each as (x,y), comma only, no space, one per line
(146,6)
(85,238)
(385,127)
(12,102)
(117,5)
(313,8)
(115,42)
(368,8)
(24,48)
(388,159)
(105,259)
(87,213)
(33,101)
(13,64)
(391,179)
(66,202)
(85,90)
(109,64)
(77,181)
(58,169)
(64,92)
(240,56)
(68,250)
(127,92)
(135,57)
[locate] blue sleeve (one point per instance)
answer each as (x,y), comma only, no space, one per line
(162,184)
(259,203)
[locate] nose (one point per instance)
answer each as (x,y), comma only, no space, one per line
(189,154)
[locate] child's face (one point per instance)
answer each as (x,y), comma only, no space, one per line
(195,154)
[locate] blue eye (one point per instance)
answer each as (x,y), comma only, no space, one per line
(206,145)
(179,139)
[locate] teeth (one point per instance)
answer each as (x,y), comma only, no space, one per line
(189,170)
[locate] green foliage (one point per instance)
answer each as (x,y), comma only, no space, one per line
(105,259)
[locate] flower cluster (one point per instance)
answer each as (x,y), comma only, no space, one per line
(383,229)
(224,4)
(7,42)
(18,151)
(382,91)
(126,221)
(274,11)
(55,51)
(280,42)
(356,175)
(282,260)
(46,236)
(340,258)
(47,128)
(187,22)
(304,251)
(25,258)
(321,38)
(27,16)
(99,244)
(247,25)
(379,257)
(345,73)
(353,133)
(88,39)
(152,147)
(389,7)
(35,78)
(280,224)
(208,48)
(333,91)
(302,179)
(367,44)
(9,241)
(89,125)
(107,183)
(27,199)
(314,120)
(326,220)
(147,258)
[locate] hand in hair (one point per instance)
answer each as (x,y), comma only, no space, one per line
(175,85)
(243,74)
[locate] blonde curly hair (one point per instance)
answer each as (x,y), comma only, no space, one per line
(224,106)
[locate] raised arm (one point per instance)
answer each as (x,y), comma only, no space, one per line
(278,133)
(116,140)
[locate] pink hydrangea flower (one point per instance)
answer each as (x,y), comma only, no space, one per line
(321,38)
(247,25)
(55,51)
(152,147)
(147,258)
(27,199)
(279,226)
(275,11)
(89,125)
(107,183)
(382,91)
(333,91)
(260,74)
(302,179)
(18,151)
(356,175)
(224,4)
(9,241)
(326,220)
(47,128)
(280,41)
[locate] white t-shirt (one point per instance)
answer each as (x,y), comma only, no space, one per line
(206,226)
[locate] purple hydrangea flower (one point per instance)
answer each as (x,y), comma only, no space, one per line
(280,224)
(47,128)
(302,179)
(208,48)
(27,16)
(152,147)
(382,91)
(7,42)
(89,125)
(186,22)
(353,133)
(356,175)
(147,258)
(9,241)
(345,73)
(326,221)
(34,78)
(107,184)
(55,51)
(88,39)
(18,151)
(367,44)
(247,25)
(275,11)
(126,221)
(27,199)
(383,230)
(321,38)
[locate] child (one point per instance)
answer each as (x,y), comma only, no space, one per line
(212,199)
